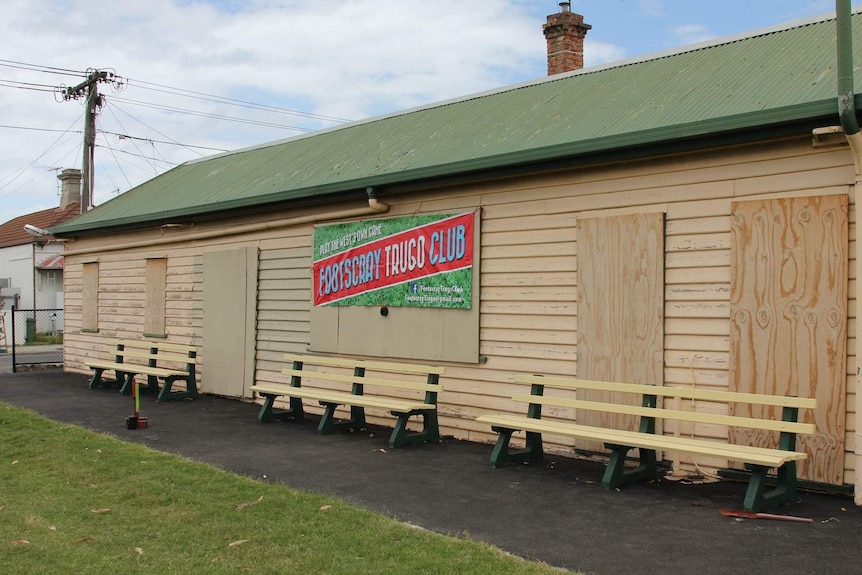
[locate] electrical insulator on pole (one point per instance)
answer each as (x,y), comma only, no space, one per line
(89,89)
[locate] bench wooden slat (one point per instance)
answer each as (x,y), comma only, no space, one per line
(669,391)
(562,427)
(108,365)
(760,456)
(322,360)
(161,345)
(137,369)
(350,378)
(403,367)
(343,398)
(719,419)
(366,363)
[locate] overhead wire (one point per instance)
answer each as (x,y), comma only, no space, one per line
(134,142)
(111,105)
(108,145)
(167,108)
(34,129)
(74,149)
(48,149)
(26,86)
(134,155)
(108,133)
(235,102)
(40,68)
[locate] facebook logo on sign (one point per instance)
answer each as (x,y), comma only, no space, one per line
(414,288)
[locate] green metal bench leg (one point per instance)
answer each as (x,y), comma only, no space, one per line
(328,423)
(757,498)
(126,383)
(267,413)
(402,436)
(98,381)
(167,395)
(502,454)
(616,474)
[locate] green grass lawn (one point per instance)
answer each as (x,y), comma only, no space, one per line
(73,501)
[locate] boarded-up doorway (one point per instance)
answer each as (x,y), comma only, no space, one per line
(230,296)
(789,318)
(620,308)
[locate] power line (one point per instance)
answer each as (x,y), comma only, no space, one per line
(177,91)
(118,134)
(234,102)
(48,149)
(111,107)
(118,165)
(31,129)
(88,89)
(74,149)
(209,115)
(49,86)
(124,152)
(26,86)
(151,141)
(40,68)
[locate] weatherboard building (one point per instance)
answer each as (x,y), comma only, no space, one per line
(683,219)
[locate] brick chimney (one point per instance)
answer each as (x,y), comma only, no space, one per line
(71,193)
(565,33)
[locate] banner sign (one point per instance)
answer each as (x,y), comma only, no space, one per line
(417,261)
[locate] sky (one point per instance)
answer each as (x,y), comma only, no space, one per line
(193,78)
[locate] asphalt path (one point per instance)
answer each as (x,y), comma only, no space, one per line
(554,512)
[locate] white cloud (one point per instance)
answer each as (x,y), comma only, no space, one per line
(350,59)
(597,53)
(653,8)
(691,34)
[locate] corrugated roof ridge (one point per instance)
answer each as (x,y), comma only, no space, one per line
(686,49)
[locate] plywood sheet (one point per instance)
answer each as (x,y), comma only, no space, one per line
(620,307)
(90,296)
(789,317)
(154,320)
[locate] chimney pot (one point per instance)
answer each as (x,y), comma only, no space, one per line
(565,6)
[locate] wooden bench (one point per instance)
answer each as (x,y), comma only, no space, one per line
(365,375)
(156,360)
(758,460)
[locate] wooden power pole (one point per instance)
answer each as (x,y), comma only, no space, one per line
(88,89)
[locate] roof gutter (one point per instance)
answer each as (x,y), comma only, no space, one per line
(374,207)
(847,113)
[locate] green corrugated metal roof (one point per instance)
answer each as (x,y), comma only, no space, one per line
(768,78)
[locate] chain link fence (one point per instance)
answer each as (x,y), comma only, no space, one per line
(36,337)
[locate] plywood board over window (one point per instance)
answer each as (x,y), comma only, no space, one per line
(154,318)
(90,297)
(789,317)
(620,307)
